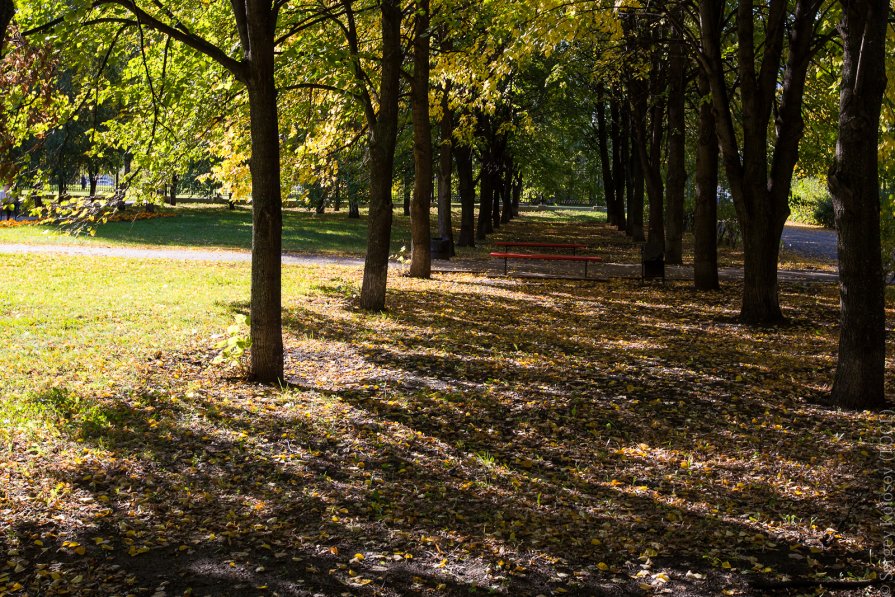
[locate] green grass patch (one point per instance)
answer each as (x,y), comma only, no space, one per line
(203,226)
(71,329)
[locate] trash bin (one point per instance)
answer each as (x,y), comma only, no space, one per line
(442,249)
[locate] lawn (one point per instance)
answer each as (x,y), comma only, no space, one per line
(483,435)
(203,226)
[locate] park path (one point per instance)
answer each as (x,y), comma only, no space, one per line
(489,267)
(811,242)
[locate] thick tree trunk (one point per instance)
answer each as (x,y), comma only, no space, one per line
(854,184)
(705,227)
(618,167)
(267,220)
(517,194)
(759,186)
(445,172)
(676,175)
(172,197)
(383,138)
(761,252)
(420,225)
(636,192)
(466,183)
(605,160)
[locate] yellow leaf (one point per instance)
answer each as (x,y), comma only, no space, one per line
(603,566)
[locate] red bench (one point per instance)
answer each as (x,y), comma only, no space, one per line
(573,246)
(547,257)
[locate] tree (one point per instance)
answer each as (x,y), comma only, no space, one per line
(705,225)
(760,172)
(854,185)
(676,173)
(383,137)
(421,256)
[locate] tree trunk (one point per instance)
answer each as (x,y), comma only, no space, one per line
(854,184)
(445,171)
(496,179)
(506,187)
(618,167)
(267,217)
(486,196)
(605,161)
(420,225)
(383,138)
(175,181)
(635,185)
(761,252)
(676,175)
(407,191)
(517,194)
(337,201)
(92,180)
(466,183)
(705,227)
(760,186)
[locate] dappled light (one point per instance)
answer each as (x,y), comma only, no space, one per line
(585,437)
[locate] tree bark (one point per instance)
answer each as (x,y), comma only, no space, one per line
(506,186)
(618,167)
(853,182)
(466,183)
(496,192)
(605,161)
(705,228)
(267,218)
(760,186)
(383,138)
(636,191)
(445,171)
(420,225)
(676,175)
(486,196)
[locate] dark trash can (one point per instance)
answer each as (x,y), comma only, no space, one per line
(442,249)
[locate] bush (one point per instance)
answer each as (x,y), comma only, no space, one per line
(810,203)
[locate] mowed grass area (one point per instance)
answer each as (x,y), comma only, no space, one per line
(203,226)
(332,233)
(483,435)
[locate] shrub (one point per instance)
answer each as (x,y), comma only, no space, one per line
(810,203)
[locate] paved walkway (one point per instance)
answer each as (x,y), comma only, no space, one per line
(490,267)
(811,242)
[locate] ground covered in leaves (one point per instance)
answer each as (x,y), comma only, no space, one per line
(519,437)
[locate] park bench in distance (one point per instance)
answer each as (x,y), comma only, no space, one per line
(586,259)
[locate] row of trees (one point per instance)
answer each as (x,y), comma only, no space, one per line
(634,94)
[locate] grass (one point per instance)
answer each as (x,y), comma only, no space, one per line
(201,226)
(518,437)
